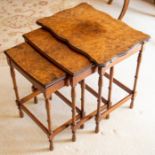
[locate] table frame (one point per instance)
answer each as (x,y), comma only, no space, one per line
(77,121)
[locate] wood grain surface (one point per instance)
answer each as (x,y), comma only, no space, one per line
(57,52)
(93,33)
(35,65)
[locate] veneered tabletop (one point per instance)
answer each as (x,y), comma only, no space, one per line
(71,62)
(93,33)
(34,65)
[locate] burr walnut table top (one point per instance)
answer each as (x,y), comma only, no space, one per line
(57,52)
(93,33)
(34,65)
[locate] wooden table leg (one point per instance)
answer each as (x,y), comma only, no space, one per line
(13,76)
(100,83)
(136,76)
(48,110)
(73,96)
(82,100)
(35,98)
(110,89)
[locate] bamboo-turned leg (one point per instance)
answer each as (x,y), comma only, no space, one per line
(110,89)
(136,76)
(35,98)
(100,83)
(48,110)
(73,95)
(82,100)
(13,76)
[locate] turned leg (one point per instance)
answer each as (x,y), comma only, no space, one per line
(100,83)
(110,90)
(82,100)
(35,98)
(48,110)
(136,76)
(13,76)
(73,95)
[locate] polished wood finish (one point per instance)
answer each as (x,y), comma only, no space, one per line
(77,120)
(50,65)
(136,76)
(43,72)
(100,85)
(51,86)
(110,88)
(58,53)
(15,89)
(93,33)
(35,98)
(48,110)
(73,96)
(83,86)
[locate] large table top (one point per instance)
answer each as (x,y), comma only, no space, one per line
(93,33)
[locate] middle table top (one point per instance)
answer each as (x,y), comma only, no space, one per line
(71,62)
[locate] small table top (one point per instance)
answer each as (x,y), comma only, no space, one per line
(93,33)
(57,52)
(34,65)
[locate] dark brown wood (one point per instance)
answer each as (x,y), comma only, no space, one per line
(48,110)
(73,96)
(110,89)
(82,101)
(35,98)
(136,76)
(107,40)
(100,84)
(13,76)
